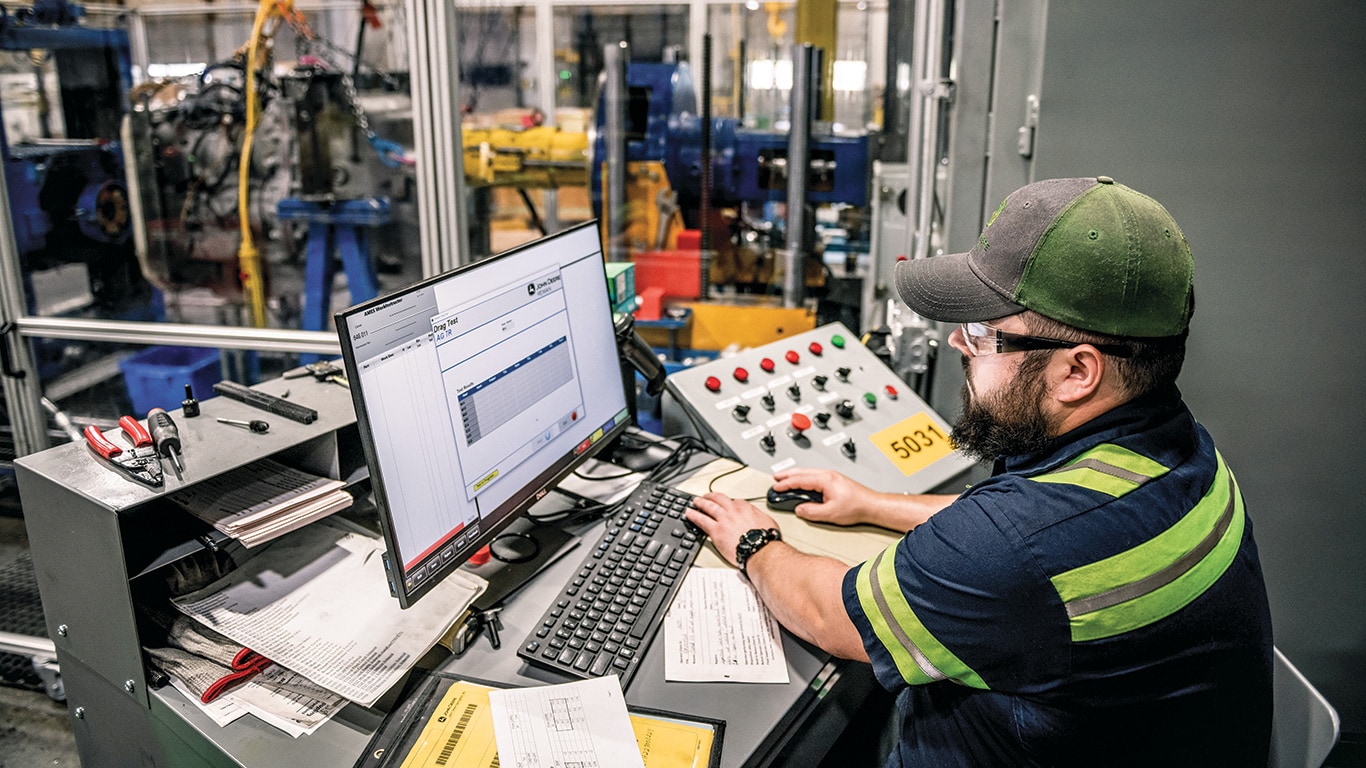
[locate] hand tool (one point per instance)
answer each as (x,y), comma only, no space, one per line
(166,438)
(255,425)
(321,371)
(266,402)
(140,461)
(189,406)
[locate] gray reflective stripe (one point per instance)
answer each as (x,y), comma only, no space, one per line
(930,670)
(1104,468)
(1165,576)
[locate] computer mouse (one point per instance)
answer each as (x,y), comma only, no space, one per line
(786,501)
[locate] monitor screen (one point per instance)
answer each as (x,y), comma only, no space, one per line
(476,391)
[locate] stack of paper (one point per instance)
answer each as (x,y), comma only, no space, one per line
(262,501)
(318,603)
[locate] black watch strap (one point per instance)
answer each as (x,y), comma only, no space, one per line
(752,541)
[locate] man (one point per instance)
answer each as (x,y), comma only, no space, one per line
(1098,600)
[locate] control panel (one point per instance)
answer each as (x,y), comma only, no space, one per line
(817,399)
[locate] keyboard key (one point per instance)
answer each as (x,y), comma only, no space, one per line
(600,665)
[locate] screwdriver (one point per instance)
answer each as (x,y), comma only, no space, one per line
(165,438)
(255,425)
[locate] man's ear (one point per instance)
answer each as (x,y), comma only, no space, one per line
(1077,373)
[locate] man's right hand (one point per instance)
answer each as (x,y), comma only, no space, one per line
(847,502)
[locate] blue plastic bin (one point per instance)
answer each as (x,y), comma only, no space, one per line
(156,377)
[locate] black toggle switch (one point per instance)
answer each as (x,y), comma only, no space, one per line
(767,401)
(741,412)
(823,419)
(795,392)
(849,448)
(767,442)
(842,374)
(819,382)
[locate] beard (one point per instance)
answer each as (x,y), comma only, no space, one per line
(1010,422)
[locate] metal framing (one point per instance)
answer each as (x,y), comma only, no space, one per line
(442,214)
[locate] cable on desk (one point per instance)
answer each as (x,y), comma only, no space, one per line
(575,514)
(602,478)
(666,471)
(676,462)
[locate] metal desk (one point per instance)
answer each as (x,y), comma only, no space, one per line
(98,540)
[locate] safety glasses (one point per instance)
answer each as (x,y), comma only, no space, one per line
(982,339)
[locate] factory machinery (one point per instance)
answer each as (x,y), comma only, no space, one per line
(210,183)
(223,163)
(709,211)
(697,203)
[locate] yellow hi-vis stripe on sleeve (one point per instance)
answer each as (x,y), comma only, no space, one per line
(1160,576)
(918,656)
(1108,469)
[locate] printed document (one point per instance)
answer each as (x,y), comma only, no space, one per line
(583,724)
(317,603)
(717,629)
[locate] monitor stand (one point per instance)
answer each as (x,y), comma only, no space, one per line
(517,554)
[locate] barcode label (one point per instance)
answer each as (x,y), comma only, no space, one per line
(454,739)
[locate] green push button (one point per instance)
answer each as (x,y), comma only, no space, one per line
(870,399)
(837,340)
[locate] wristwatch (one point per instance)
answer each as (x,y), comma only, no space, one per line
(752,541)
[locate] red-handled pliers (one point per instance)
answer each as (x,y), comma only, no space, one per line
(141,461)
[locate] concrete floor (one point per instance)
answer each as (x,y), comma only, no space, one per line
(34,729)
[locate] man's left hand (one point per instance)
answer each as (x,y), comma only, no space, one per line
(725,520)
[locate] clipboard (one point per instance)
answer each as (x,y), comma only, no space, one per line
(442,719)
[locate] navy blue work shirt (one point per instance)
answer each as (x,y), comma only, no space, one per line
(1098,603)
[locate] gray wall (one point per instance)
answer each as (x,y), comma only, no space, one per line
(1248,121)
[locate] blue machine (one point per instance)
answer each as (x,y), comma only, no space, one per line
(747,165)
(68,195)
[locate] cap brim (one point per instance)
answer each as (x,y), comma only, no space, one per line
(944,288)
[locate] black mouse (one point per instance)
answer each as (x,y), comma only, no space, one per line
(786,501)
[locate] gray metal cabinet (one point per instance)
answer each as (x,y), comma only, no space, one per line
(103,543)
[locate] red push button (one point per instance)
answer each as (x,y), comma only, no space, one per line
(713,383)
(766,364)
(816,348)
(792,356)
(741,375)
(800,422)
(891,391)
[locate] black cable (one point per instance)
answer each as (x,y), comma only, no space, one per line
(600,478)
(518,536)
(711,485)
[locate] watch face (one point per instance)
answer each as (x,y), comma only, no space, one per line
(752,538)
(751,541)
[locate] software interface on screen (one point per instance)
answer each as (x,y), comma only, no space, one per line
(477,389)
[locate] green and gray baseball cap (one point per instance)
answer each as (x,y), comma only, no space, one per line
(1089,252)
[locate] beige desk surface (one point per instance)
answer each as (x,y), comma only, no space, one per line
(848,544)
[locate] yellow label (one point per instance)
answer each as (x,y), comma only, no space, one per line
(914,444)
(459,733)
(486,480)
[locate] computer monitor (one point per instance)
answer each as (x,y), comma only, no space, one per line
(478,390)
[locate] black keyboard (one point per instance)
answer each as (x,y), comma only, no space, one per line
(605,617)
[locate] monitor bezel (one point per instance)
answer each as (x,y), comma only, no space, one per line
(503,516)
